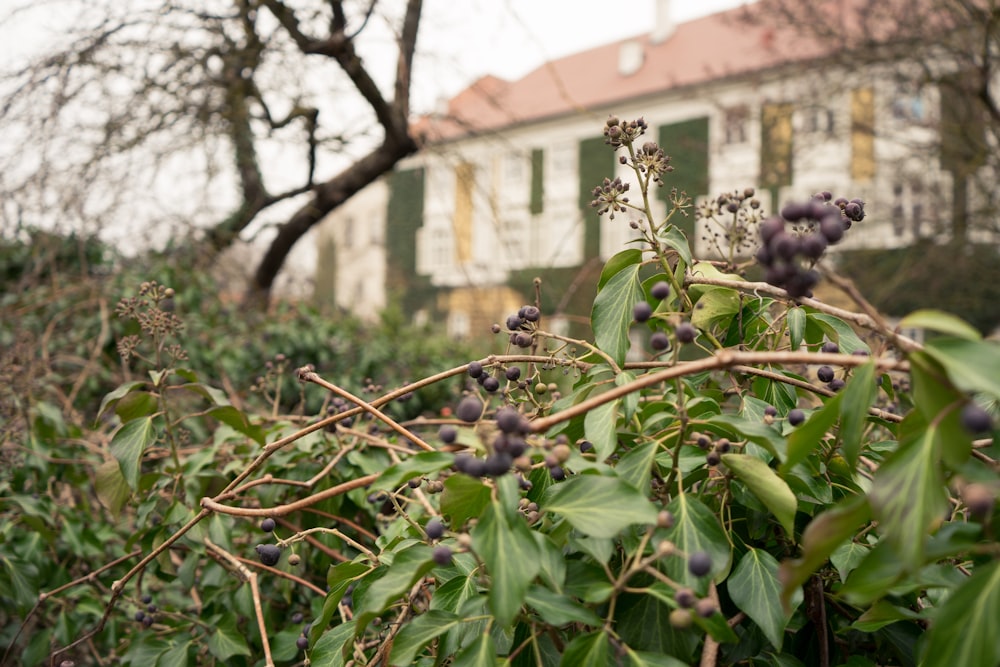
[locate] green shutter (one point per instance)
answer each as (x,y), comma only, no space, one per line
(597,162)
(404,216)
(537,181)
(686,143)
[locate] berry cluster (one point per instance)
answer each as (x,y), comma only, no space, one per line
(619,133)
(792,242)
(610,196)
(731,220)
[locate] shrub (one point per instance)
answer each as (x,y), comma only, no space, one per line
(704,501)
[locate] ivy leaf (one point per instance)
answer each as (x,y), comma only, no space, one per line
(796,319)
(824,533)
(329,650)
(636,467)
(611,316)
(225,641)
(646,659)
(237,419)
(407,567)
(589,650)
(940,321)
(512,559)
(480,653)
(972,365)
(965,629)
(112,489)
(696,528)
(808,436)
(419,464)
(464,497)
(619,262)
(417,633)
(559,610)
(937,402)
(764,483)
(855,400)
(127,445)
(908,496)
(756,591)
(598,506)
(117,394)
(715,304)
(839,331)
(754,431)
(600,428)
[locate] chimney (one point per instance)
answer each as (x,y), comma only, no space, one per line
(664,26)
(630,57)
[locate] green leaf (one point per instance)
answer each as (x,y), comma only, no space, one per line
(636,466)
(754,431)
(598,506)
(112,489)
(696,528)
(225,640)
(330,649)
(114,396)
(418,633)
(559,610)
(881,614)
(839,331)
(823,534)
(464,497)
(620,262)
(810,435)
(239,422)
(480,653)
(136,404)
(972,365)
(796,318)
(127,445)
(506,545)
(589,650)
(855,400)
(216,396)
(646,659)
(630,401)
(675,239)
(938,402)
(877,572)
(756,591)
(848,556)
(177,656)
(940,321)
(612,312)
(406,569)
(716,304)
(417,465)
(965,629)
(599,427)
(908,496)
(764,483)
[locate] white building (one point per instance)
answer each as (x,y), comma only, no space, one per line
(500,191)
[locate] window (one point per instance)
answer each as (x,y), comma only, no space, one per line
(818,121)
(563,159)
(908,103)
(348,238)
(735,130)
(514,170)
(898,209)
(514,237)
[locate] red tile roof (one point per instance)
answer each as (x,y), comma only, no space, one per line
(722,45)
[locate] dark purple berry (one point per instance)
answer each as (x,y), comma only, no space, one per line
(434,529)
(793,211)
(784,246)
(514,322)
(705,608)
(836,384)
(713,458)
(699,563)
(268,554)
(832,228)
(659,341)
(498,464)
(469,409)
(442,555)
(302,643)
(147,621)
(975,419)
(509,420)
(686,333)
(813,246)
(475,369)
(770,411)
(512,373)
(830,347)
(660,290)
(685,598)
(824,373)
(491,384)
(531,314)
(139,615)
(586,446)
(771,228)
(642,311)
(448,434)
(267,525)
(147,598)
(297,617)
(796,417)
(557,473)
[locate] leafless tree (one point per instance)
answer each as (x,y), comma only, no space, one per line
(226,115)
